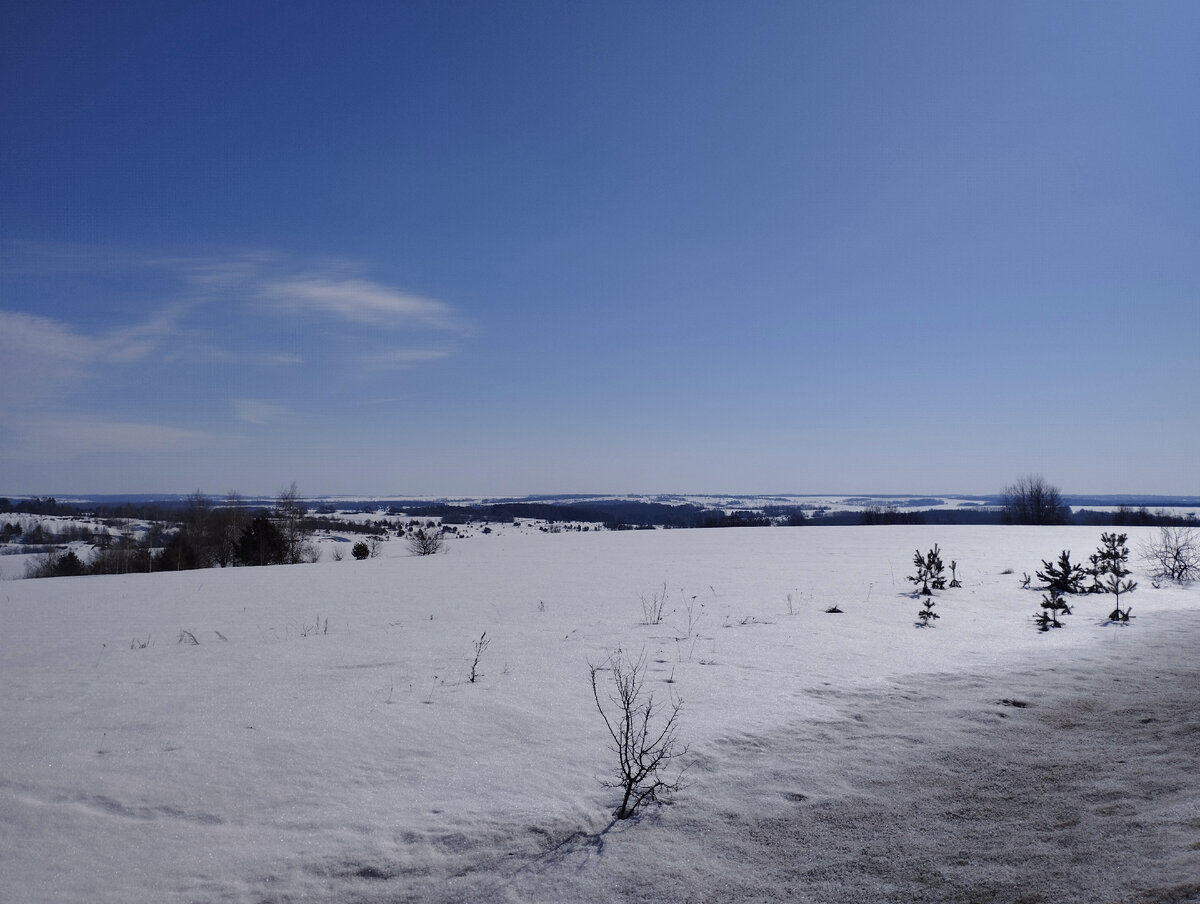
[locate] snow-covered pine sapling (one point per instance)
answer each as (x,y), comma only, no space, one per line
(1052,605)
(480,646)
(954,581)
(644,733)
(1111,573)
(1063,575)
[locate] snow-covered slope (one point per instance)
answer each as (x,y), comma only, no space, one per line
(321,740)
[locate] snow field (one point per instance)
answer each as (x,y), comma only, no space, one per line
(354,762)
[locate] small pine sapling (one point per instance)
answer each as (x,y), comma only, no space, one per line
(954,581)
(926,616)
(1111,573)
(1052,605)
(1063,575)
(929,571)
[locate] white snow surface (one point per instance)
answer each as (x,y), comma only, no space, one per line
(321,741)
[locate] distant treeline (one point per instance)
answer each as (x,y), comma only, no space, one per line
(615,514)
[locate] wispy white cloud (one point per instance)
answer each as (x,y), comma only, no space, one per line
(207,324)
(398,358)
(258,411)
(363,302)
(81,434)
(41,357)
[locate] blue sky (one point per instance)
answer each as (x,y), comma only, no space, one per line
(502,248)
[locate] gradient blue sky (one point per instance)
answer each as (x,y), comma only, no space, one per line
(503,248)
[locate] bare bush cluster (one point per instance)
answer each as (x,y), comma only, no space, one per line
(1173,554)
(424,542)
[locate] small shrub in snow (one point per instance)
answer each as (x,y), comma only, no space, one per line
(654,606)
(930,571)
(360,550)
(480,646)
(1173,554)
(1063,575)
(644,733)
(315,628)
(425,542)
(1052,605)
(1111,573)
(954,581)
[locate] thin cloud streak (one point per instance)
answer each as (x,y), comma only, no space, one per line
(362,302)
(258,411)
(400,358)
(72,434)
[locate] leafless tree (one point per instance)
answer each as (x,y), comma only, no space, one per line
(422,542)
(289,517)
(644,733)
(1031,500)
(1173,554)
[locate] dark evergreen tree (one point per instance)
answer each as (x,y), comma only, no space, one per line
(1052,605)
(930,571)
(180,554)
(261,544)
(1063,576)
(1111,574)
(927,615)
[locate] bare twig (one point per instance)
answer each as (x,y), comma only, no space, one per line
(644,733)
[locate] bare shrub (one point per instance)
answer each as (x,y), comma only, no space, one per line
(480,645)
(424,542)
(644,733)
(654,606)
(1173,554)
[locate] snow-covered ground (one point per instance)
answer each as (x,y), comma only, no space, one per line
(321,741)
